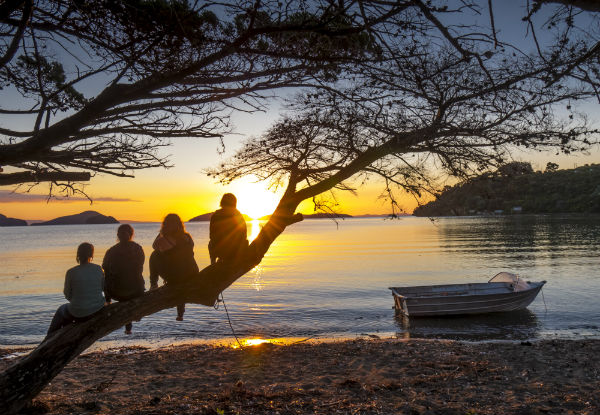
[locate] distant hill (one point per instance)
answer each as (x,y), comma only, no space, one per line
(4,221)
(206,217)
(84,218)
(385,216)
(318,216)
(327,216)
(202,218)
(516,188)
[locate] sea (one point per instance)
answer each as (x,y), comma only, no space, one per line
(326,279)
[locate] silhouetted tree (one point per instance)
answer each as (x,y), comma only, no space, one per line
(424,92)
(514,168)
(99,86)
(589,5)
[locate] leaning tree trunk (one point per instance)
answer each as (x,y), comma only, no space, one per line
(23,380)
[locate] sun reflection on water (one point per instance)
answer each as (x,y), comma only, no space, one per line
(254,229)
(257,281)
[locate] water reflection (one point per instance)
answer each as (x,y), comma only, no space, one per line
(514,325)
(319,279)
(254,229)
(522,237)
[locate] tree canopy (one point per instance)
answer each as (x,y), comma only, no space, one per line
(407,91)
(445,100)
(99,86)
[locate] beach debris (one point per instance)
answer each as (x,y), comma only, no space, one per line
(90,405)
(350,377)
(350,383)
(102,386)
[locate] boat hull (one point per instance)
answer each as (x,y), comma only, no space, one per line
(460,299)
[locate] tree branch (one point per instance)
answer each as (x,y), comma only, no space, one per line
(589,5)
(8,179)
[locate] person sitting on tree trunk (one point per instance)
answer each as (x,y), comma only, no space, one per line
(84,284)
(173,256)
(228,233)
(123,265)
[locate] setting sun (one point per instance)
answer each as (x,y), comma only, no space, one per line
(253,199)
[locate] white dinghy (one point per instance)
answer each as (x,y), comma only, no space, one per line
(504,292)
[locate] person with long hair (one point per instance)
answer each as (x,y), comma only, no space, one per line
(173,256)
(123,265)
(83,288)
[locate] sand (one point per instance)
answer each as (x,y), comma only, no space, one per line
(345,377)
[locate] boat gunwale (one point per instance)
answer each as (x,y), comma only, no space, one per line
(477,310)
(534,285)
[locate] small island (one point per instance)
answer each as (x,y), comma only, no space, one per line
(515,188)
(205,217)
(5,221)
(89,217)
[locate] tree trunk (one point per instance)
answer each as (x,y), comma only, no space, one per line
(23,380)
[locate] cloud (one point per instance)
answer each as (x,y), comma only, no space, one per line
(6,196)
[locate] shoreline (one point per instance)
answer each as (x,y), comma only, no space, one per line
(351,376)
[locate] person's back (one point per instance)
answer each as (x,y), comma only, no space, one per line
(123,265)
(228,233)
(83,288)
(178,259)
(84,284)
(173,256)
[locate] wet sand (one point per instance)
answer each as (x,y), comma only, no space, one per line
(346,377)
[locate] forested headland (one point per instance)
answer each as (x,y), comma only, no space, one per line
(516,188)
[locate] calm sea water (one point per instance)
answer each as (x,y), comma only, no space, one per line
(325,280)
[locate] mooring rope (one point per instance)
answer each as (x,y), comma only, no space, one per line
(216,306)
(544,298)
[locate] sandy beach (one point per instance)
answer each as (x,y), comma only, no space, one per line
(345,377)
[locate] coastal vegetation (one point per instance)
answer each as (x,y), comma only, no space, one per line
(516,188)
(398,93)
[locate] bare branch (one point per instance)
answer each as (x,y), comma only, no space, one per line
(589,5)
(8,179)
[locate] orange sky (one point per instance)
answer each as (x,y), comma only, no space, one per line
(152,198)
(185,189)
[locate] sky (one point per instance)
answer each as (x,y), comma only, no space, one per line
(185,189)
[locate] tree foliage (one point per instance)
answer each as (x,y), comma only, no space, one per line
(418,88)
(444,101)
(100,86)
